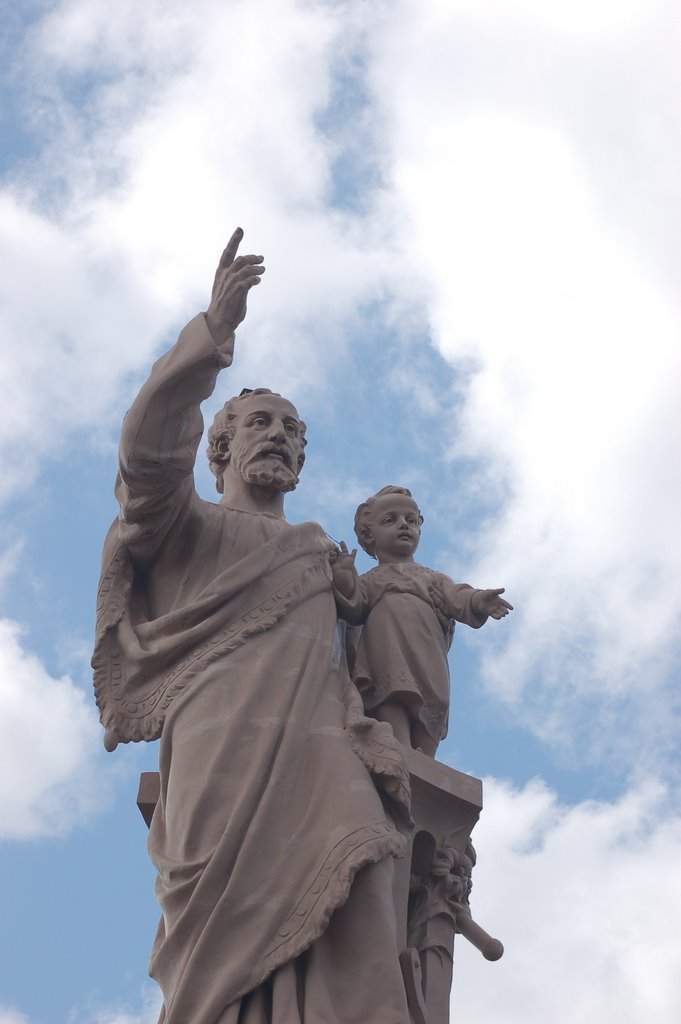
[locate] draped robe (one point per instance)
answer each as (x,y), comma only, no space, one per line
(281,805)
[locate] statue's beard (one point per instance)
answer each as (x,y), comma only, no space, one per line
(269,472)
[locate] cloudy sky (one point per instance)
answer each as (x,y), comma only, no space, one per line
(470,215)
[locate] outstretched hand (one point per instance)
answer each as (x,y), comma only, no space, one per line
(233,279)
(489,602)
(343,569)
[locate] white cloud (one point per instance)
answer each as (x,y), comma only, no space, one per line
(48,738)
(150,1006)
(588,20)
(8,1015)
(504,156)
(566,344)
(65,303)
(182,126)
(586,900)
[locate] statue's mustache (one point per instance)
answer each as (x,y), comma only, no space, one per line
(276,450)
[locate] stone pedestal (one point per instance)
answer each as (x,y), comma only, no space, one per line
(433,883)
(432,880)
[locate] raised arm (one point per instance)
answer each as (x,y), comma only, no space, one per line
(164,426)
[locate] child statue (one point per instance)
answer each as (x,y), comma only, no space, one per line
(407,612)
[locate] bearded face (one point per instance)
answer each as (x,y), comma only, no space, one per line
(267,447)
(263,467)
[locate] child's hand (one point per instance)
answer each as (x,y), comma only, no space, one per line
(489,602)
(343,569)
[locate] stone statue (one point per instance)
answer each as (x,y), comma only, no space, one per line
(281,805)
(408,613)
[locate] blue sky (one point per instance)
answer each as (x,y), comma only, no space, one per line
(470,218)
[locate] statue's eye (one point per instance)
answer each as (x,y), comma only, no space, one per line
(291,429)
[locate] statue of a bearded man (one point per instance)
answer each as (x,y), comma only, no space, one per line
(281,806)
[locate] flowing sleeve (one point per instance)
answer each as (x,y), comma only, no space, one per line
(160,437)
(458,598)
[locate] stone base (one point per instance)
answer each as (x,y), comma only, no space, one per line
(432,880)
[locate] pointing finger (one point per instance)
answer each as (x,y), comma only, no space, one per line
(230,250)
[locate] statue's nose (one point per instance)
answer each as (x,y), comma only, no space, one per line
(277,432)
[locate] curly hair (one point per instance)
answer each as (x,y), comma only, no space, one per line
(364,513)
(222,430)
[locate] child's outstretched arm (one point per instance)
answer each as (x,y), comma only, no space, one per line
(351,600)
(465,604)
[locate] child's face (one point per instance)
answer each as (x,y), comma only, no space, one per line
(395,528)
